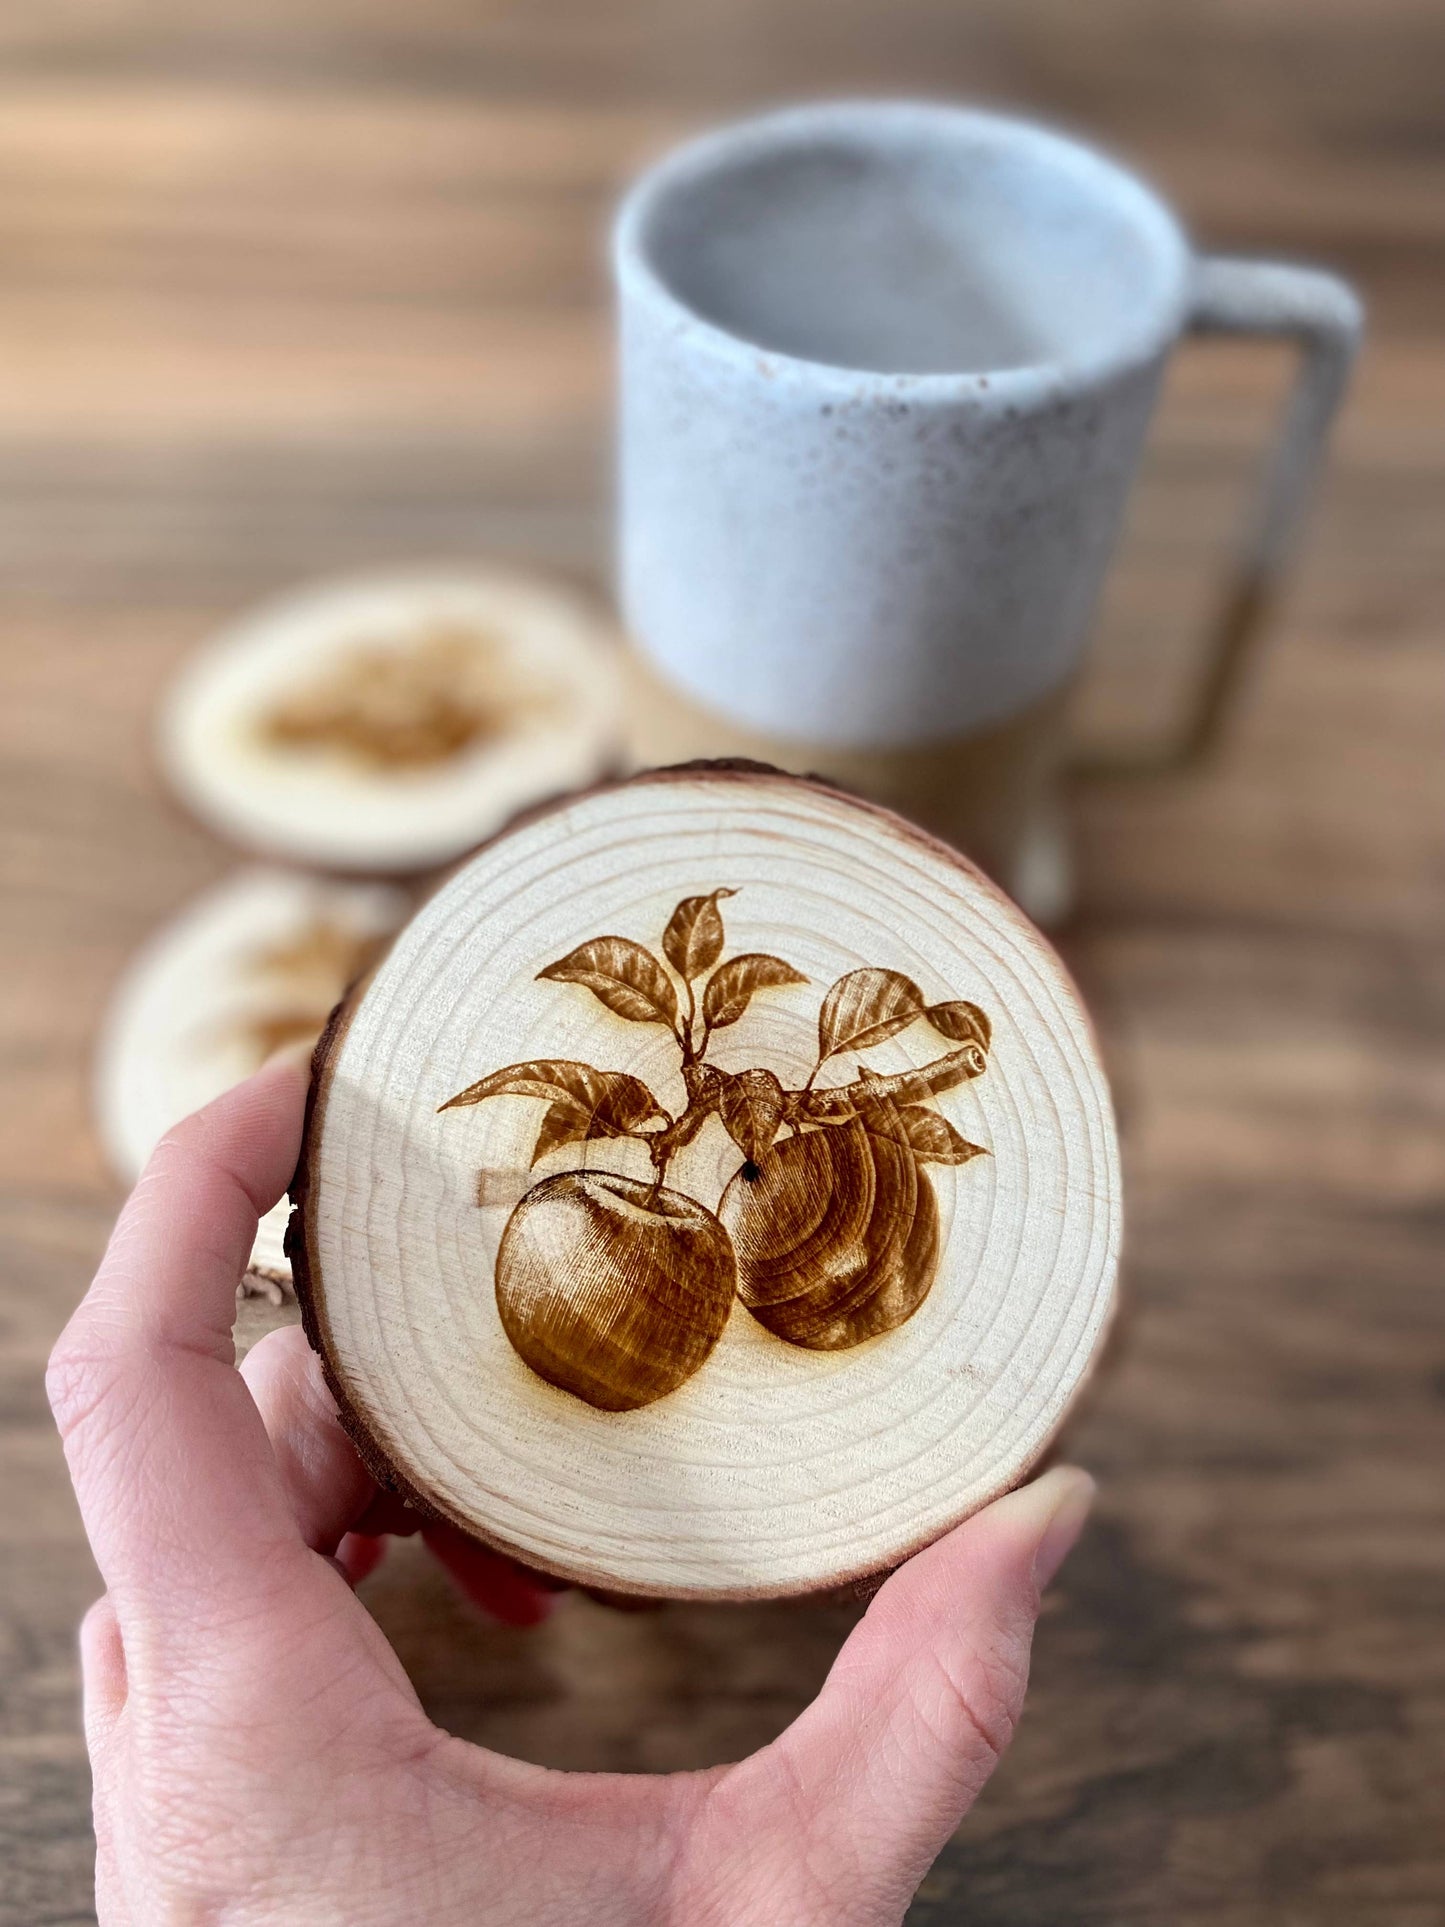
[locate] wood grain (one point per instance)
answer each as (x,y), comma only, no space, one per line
(293,290)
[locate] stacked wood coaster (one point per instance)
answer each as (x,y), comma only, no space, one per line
(713,1194)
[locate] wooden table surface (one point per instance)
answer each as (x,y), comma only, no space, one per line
(289,289)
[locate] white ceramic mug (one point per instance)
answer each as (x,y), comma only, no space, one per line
(886,372)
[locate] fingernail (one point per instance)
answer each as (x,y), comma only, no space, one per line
(1070,1499)
(1051,1512)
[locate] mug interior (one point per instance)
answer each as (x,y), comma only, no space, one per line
(910,240)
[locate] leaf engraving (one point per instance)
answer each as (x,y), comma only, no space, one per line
(624,976)
(731,988)
(865,1007)
(693,939)
(934,1139)
(703,1084)
(961,1023)
(613,1101)
(564,1123)
(751,1106)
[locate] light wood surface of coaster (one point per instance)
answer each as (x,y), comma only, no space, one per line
(714,1193)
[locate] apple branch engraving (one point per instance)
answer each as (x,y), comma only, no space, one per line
(615,1289)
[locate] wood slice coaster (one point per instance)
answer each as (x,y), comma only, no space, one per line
(254,963)
(714,1193)
(385,725)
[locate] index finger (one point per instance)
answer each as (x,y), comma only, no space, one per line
(175,1477)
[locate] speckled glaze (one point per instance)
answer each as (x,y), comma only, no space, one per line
(865,557)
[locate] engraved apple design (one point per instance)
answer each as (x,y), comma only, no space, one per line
(615,1289)
(659,1278)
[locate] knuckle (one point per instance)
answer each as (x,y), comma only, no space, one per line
(98,1620)
(182,1140)
(985,1688)
(93,1390)
(78,1384)
(182,1160)
(283,1354)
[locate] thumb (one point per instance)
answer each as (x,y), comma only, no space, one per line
(922,1700)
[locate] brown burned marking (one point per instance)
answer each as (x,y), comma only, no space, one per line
(303,978)
(616,1289)
(400,708)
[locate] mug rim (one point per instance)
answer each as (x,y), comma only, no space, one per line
(880,122)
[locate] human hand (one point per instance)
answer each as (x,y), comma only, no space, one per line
(259,1754)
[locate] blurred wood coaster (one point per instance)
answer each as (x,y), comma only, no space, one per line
(714,1194)
(384,725)
(252,965)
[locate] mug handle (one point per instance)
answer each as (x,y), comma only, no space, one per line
(1322,316)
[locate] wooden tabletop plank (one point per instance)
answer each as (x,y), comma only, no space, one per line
(288,290)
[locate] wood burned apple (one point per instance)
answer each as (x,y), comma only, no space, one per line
(713,1194)
(615,1289)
